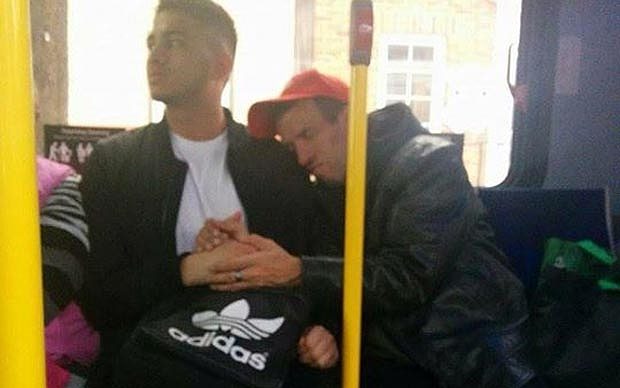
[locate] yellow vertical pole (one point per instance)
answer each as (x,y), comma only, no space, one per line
(360,48)
(21,306)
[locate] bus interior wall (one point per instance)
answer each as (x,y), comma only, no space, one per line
(584,150)
(568,134)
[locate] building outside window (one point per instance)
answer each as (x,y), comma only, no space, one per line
(411,71)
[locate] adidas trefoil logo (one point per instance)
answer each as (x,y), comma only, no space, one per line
(234,318)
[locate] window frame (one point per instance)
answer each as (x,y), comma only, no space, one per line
(435,69)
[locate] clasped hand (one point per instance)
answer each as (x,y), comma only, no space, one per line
(228,258)
(267,266)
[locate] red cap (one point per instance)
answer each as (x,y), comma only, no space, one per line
(308,84)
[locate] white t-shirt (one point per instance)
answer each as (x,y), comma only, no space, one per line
(209,191)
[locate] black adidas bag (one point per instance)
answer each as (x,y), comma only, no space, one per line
(202,338)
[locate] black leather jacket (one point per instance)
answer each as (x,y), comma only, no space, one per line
(437,291)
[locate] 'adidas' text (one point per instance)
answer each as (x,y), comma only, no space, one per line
(225,344)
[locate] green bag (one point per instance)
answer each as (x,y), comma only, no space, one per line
(574,316)
(584,258)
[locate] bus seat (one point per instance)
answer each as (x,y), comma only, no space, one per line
(525,218)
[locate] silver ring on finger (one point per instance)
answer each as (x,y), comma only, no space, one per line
(238,276)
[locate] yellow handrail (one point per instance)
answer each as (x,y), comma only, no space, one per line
(354,239)
(21,306)
(361,41)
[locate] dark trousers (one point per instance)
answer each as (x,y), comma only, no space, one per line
(379,373)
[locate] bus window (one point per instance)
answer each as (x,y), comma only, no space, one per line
(446,60)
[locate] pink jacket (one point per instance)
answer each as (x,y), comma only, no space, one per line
(49,175)
(68,337)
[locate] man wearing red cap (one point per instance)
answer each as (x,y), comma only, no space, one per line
(440,305)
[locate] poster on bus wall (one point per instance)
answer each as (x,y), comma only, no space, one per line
(72,145)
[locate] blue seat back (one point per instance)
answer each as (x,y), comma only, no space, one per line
(524,219)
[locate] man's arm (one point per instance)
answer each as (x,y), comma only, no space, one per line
(201,268)
(427,207)
(64,238)
(120,284)
(112,292)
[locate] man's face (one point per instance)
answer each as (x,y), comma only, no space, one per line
(179,58)
(320,146)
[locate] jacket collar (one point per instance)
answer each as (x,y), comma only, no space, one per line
(388,130)
(237,139)
(163,131)
(172,171)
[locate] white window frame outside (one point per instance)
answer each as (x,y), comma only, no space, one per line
(436,70)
